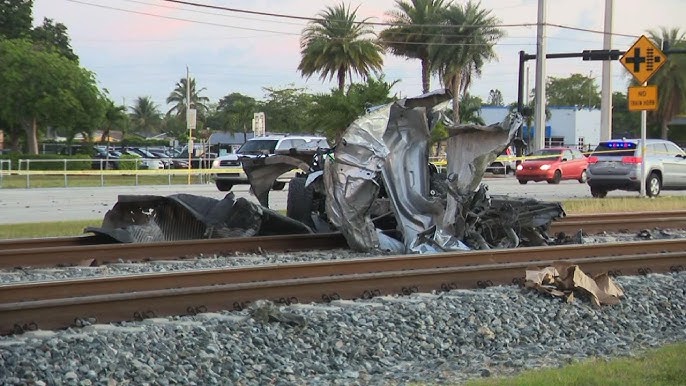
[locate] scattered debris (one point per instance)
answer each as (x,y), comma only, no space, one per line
(562,280)
(265,311)
(145,219)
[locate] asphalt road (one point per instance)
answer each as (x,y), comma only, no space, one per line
(55,204)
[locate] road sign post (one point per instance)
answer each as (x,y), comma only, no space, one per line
(642,60)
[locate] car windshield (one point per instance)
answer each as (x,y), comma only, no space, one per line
(545,155)
(258,146)
(616,148)
(314,144)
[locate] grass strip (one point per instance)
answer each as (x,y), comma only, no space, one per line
(663,366)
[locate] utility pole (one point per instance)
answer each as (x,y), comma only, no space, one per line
(188,122)
(606,89)
(539,116)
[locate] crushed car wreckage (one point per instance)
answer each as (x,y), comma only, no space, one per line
(376,187)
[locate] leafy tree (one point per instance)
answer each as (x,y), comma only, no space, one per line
(178,98)
(53,35)
(336,44)
(16,17)
(236,112)
(670,79)
(175,126)
(470,112)
(240,110)
(414,27)
(576,90)
(332,113)
(43,88)
(465,46)
(495,98)
(286,109)
(145,115)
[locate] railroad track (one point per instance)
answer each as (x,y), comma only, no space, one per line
(96,250)
(59,304)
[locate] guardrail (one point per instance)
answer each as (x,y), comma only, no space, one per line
(4,170)
(102,168)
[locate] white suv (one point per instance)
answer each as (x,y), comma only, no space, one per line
(227,170)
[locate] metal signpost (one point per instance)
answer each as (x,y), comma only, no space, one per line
(642,60)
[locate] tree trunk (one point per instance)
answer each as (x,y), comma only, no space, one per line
(665,129)
(455,83)
(32,137)
(426,76)
(341,80)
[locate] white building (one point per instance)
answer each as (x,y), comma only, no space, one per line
(567,126)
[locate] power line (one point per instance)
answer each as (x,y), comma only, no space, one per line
(384,24)
(264,30)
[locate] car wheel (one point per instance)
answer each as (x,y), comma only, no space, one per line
(523,182)
(223,186)
(598,193)
(300,200)
(556,177)
(584,177)
(278,185)
(653,185)
(498,168)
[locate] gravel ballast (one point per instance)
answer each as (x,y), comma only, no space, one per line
(444,337)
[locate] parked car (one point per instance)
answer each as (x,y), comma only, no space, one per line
(227,170)
(174,163)
(105,158)
(146,163)
(553,165)
(616,164)
(504,164)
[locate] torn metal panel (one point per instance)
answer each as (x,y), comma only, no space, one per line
(188,217)
(385,147)
(471,149)
(262,172)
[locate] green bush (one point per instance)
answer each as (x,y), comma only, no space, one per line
(129,162)
(49,161)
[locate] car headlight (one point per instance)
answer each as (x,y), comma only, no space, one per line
(545,167)
(520,167)
(215,163)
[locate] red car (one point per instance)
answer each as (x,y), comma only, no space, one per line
(553,164)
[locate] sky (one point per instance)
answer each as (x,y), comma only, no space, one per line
(139,48)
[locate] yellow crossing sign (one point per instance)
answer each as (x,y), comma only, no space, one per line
(643,59)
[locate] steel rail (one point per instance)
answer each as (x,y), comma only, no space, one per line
(566,224)
(153,281)
(97,254)
(101,254)
(105,308)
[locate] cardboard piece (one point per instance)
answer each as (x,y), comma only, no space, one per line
(562,280)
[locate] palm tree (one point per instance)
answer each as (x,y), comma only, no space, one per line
(145,115)
(337,45)
(670,79)
(460,53)
(178,98)
(115,118)
(414,27)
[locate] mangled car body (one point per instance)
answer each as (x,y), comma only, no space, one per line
(377,187)
(388,150)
